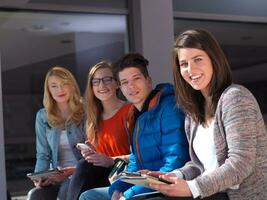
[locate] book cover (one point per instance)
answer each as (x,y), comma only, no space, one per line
(139,179)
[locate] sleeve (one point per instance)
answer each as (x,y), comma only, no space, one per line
(136,189)
(43,152)
(174,145)
(193,188)
(240,116)
(78,136)
(133,164)
(128,190)
(189,171)
(83,130)
(120,185)
(178,173)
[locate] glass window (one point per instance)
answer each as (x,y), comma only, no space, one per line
(30,44)
(245,45)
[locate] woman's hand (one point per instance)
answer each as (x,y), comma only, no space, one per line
(144,171)
(117,195)
(157,173)
(154,173)
(68,170)
(86,149)
(178,188)
(59,177)
(99,159)
(41,182)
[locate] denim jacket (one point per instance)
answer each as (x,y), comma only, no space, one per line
(47,141)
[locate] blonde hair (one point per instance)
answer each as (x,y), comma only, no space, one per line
(75,102)
(93,105)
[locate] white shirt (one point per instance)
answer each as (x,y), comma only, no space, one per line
(204,148)
(66,157)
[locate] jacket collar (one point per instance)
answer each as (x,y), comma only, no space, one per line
(133,113)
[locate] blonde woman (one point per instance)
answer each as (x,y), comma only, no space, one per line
(59,127)
(106,131)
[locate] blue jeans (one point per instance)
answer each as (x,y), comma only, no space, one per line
(95,194)
(86,177)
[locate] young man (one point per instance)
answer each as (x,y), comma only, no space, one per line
(155,126)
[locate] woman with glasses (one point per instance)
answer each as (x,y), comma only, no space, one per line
(59,127)
(105,126)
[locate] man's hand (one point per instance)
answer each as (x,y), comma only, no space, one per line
(117,195)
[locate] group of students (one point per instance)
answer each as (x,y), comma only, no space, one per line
(204,135)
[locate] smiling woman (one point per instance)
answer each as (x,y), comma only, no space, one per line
(105,127)
(224,127)
(59,127)
(196,68)
(60,89)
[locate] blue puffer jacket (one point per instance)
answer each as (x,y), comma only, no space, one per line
(158,139)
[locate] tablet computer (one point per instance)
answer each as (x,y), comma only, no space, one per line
(140,179)
(43,174)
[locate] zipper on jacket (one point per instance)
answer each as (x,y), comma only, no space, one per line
(137,146)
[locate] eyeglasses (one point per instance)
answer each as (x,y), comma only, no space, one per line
(105,80)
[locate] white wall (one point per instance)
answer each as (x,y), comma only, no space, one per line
(153,35)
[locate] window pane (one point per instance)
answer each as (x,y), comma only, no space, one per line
(30,44)
(245,46)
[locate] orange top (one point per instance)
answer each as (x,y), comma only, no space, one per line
(112,136)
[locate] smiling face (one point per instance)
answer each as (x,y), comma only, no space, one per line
(196,68)
(135,86)
(103,84)
(59,89)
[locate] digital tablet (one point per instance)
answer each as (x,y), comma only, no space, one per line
(140,179)
(43,174)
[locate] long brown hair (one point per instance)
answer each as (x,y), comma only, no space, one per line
(192,100)
(75,102)
(93,105)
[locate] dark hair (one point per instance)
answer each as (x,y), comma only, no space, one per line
(131,60)
(192,100)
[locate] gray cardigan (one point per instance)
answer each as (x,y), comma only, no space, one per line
(241,149)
